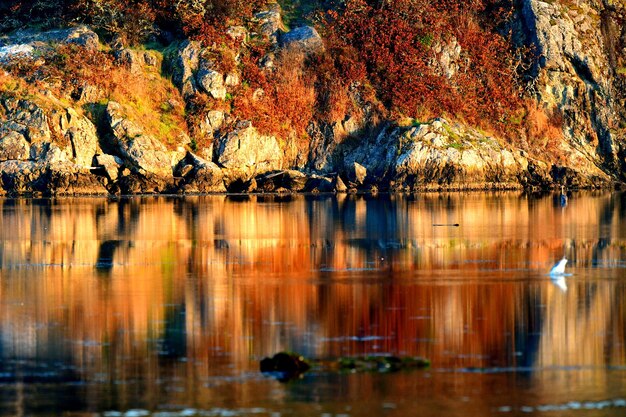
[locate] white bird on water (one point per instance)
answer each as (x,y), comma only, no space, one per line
(557,274)
(559,268)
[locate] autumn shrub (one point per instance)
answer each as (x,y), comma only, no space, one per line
(395,42)
(278,101)
(46,13)
(544,128)
(148,99)
(198,106)
(60,69)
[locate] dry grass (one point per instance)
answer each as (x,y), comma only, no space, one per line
(544,129)
(287,102)
(152,102)
(148,99)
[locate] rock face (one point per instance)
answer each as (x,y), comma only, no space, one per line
(142,152)
(575,43)
(438,155)
(200,176)
(245,153)
(29,39)
(32,160)
(48,144)
(184,65)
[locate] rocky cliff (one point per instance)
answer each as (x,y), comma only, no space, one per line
(69,132)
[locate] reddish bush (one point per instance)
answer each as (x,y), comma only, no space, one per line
(395,41)
(276,102)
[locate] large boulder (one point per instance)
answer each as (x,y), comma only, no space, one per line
(110,164)
(270,22)
(245,152)
(80,132)
(142,153)
(200,175)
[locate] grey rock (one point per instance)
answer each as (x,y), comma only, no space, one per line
(339,185)
(232,79)
(204,177)
(447,56)
(80,35)
(10,51)
(246,153)
(26,118)
(111,165)
(88,93)
(149,59)
(305,39)
(319,184)
(358,173)
(573,72)
(143,153)
(212,122)
(238,33)
(212,82)
(20,177)
(14,146)
(130,59)
(81,133)
(184,65)
(67,179)
(269,24)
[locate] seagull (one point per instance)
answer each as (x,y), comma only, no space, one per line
(559,268)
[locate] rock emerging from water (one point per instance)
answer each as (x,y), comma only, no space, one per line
(286,366)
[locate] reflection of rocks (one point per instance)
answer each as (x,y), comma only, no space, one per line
(144,246)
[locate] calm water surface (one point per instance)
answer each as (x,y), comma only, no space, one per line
(165,305)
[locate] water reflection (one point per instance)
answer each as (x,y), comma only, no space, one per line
(121,295)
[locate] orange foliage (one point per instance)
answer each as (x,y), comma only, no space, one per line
(544,128)
(59,68)
(396,42)
(279,101)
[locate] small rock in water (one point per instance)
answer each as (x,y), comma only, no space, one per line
(285,366)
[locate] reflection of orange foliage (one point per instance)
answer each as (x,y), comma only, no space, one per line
(238,280)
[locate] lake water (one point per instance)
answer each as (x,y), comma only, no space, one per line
(165,305)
